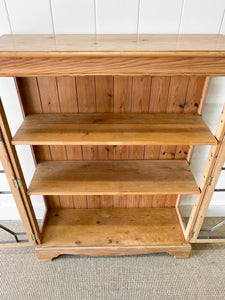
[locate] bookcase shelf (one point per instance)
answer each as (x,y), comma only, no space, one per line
(113,231)
(113,178)
(114,129)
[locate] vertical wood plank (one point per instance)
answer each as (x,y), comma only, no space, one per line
(29,93)
(177,94)
(194,94)
(68,104)
(94,201)
(193,101)
(67,94)
(159,94)
(176,103)
(122,103)
(104,93)
(141,93)
(30,98)
(50,104)
(146,201)
(171,200)
(86,95)
(80,201)
(87,103)
(140,103)
(122,93)
(158,103)
(104,103)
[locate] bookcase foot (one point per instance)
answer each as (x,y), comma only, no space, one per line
(47,254)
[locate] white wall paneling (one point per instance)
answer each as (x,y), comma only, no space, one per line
(4,21)
(74,16)
(202,16)
(8,209)
(160,16)
(117,16)
(30,16)
(4,186)
(221,182)
(222,28)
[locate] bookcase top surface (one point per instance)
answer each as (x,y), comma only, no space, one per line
(203,45)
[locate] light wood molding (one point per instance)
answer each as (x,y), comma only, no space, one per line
(68,55)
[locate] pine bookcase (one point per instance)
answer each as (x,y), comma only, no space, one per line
(112,121)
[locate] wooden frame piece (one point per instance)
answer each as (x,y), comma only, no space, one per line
(212,170)
(7,166)
(67,55)
(14,174)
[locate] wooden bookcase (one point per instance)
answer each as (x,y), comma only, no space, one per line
(112,121)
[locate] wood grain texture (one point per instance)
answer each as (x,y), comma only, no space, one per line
(104,91)
(112,227)
(176,100)
(203,45)
(143,93)
(11,165)
(114,129)
(126,66)
(122,103)
(29,92)
(113,178)
(141,87)
(67,94)
(69,55)
(48,253)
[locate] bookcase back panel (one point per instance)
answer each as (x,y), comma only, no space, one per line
(181,94)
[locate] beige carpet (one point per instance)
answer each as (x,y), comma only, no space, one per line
(156,276)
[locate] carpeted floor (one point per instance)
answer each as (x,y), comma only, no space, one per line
(156,276)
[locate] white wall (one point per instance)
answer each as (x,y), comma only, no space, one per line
(99,16)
